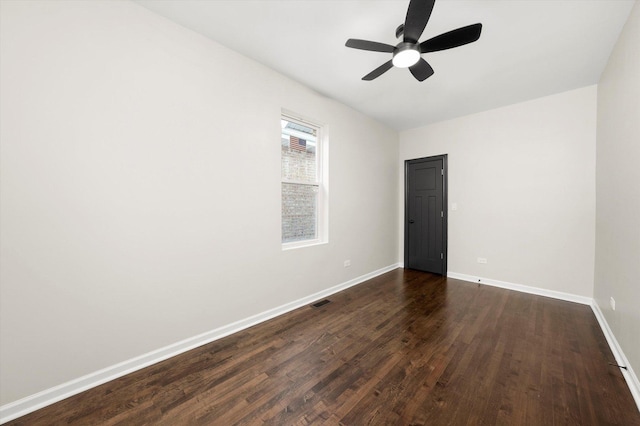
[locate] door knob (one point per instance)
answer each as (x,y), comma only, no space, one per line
(411,221)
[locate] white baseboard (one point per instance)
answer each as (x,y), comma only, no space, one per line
(621,359)
(522,288)
(47,397)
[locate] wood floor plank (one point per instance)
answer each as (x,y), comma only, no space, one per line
(405,348)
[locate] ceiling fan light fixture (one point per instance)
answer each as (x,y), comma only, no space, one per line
(406,55)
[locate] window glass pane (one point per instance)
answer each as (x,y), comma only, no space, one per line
(299,213)
(298,146)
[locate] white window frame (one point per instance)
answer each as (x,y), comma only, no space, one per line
(322,213)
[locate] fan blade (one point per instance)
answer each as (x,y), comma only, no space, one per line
(421,70)
(378,71)
(418,15)
(369,45)
(455,38)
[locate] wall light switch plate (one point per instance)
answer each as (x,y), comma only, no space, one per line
(347,263)
(612,301)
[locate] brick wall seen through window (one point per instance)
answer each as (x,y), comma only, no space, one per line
(301,181)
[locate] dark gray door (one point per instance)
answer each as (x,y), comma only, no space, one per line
(425,215)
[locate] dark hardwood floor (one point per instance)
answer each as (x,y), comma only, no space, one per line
(406,348)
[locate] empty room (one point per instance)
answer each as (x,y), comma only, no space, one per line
(399,212)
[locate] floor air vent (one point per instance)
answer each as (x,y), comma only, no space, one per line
(321,303)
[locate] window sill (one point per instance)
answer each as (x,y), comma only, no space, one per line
(302,244)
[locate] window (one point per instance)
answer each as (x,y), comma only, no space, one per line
(303,188)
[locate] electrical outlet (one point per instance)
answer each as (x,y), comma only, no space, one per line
(482,260)
(612,301)
(347,263)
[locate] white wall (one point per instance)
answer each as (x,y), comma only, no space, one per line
(523,177)
(140,189)
(617,265)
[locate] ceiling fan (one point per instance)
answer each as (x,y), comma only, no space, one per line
(406,54)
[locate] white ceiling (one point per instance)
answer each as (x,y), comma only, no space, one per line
(528,49)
